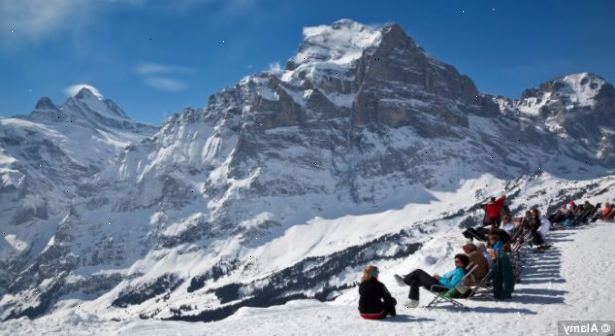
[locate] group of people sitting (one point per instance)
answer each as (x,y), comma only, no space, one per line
(499,238)
(498,221)
(572,214)
(376,302)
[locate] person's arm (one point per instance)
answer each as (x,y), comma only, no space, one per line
(386,296)
(445,275)
(452,279)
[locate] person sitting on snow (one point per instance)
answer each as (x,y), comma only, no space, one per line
(375,301)
(419,278)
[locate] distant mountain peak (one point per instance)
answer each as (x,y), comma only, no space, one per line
(83,91)
(87,107)
(576,83)
(585,85)
(45,103)
(578,90)
(86,93)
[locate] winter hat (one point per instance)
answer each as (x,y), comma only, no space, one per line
(374,272)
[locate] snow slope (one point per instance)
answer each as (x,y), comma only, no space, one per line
(285,184)
(567,282)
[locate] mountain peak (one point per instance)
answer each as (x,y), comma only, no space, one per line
(341,43)
(88,93)
(585,85)
(45,103)
(348,24)
(572,91)
(83,91)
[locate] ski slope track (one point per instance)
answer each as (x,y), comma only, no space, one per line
(363,149)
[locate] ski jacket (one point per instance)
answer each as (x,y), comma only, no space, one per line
(482,267)
(452,278)
(493,209)
(374,297)
(498,247)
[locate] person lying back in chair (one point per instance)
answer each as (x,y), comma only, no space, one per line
(418,278)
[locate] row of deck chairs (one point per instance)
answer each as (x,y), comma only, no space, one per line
(480,287)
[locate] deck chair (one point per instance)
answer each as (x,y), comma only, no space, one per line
(481,287)
(447,296)
(515,254)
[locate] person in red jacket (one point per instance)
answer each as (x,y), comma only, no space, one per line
(493,210)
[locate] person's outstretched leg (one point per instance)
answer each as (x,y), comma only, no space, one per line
(417,279)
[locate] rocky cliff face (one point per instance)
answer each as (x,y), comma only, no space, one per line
(361,120)
(577,107)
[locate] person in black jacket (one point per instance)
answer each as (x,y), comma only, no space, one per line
(375,301)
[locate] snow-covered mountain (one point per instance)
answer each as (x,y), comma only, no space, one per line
(577,107)
(284,185)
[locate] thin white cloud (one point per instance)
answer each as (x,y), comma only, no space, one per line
(165,84)
(159,76)
(33,18)
(150,68)
(28,21)
(74,89)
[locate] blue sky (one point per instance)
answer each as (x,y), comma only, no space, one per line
(155,57)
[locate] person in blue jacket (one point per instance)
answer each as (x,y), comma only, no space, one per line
(419,278)
(495,244)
